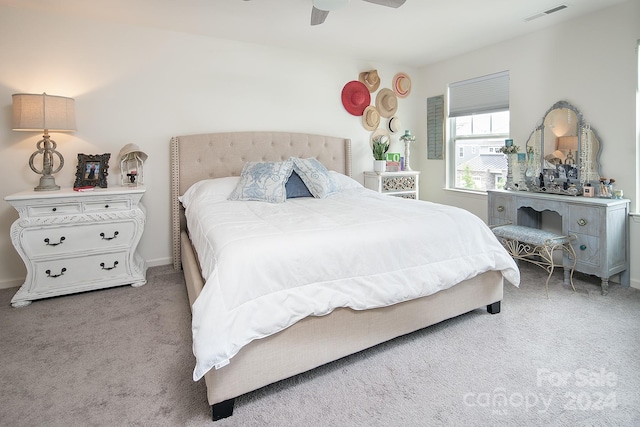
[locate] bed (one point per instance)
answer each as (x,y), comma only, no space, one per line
(315,338)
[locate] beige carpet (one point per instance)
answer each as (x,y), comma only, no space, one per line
(122,356)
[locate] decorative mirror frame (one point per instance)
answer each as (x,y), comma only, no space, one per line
(92,170)
(565,180)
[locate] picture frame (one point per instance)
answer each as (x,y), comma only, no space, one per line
(92,170)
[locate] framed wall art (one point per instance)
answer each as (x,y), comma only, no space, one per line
(92,170)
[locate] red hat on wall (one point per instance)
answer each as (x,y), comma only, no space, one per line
(355,97)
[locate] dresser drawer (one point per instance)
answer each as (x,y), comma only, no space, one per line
(55,241)
(107,205)
(55,209)
(587,250)
(500,210)
(65,274)
(585,220)
(398,183)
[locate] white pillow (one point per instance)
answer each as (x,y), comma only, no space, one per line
(263,181)
(315,176)
(344,182)
(212,190)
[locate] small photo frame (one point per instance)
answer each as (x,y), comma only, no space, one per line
(92,170)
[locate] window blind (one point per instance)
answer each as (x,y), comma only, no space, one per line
(486,94)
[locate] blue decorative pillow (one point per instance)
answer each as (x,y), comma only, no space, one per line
(263,181)
(315,176)
(296,188)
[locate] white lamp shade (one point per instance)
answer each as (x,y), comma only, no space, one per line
(567,143)
(41,111)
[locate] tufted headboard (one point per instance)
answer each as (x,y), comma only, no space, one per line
(216,155)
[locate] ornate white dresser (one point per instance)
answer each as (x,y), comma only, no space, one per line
(601,227)
(78,241)
(399,184)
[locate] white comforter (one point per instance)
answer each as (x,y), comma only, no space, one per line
(269,265)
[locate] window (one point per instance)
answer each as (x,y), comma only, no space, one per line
(479,124)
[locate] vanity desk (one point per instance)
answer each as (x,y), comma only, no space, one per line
(601,227)
(560,162)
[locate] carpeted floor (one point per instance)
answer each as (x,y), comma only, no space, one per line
(123,356)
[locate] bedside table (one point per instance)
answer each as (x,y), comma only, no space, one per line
(78,241)
(400,184)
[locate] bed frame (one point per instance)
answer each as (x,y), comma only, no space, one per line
(313,341)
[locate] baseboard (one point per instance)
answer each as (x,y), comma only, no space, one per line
(160,261)
(635,284)
(11,283)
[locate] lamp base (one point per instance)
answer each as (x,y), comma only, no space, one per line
(47,183)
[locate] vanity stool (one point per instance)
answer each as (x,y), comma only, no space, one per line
(537,247)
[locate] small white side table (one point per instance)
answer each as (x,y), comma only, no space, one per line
(400,184)
(78,241)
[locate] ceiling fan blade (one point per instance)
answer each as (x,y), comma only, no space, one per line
(318,16)
(390,3)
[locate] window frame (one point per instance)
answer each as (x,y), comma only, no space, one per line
(452,168)
(481,95)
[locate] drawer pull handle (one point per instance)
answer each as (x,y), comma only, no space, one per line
(54,244)
(582,222)
(583,247)
(500,208)
(55,275)
(106,206)
(115,263)
(54,209)
(115,234)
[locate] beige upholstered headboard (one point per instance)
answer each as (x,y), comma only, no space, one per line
(216,155)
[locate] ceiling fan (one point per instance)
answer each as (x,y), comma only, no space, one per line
(321,8)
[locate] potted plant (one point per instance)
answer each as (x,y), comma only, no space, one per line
(380,147)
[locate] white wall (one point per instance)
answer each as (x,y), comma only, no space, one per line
(591,62)
(144,86)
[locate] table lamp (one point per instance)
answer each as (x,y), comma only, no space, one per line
(35,112)
(568,144)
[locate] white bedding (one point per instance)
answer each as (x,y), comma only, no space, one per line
(269,265)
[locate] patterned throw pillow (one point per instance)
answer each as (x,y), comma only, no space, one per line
(315,176)
(263,181)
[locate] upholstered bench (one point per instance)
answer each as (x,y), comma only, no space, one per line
(537,247)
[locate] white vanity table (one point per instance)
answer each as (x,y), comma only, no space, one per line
(601,227)
(562,160)
(78,241)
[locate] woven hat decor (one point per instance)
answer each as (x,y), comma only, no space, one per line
(386,103)
(370,118)
(394,124)
(378,133)
(355,97)
(370,79)
(401,85)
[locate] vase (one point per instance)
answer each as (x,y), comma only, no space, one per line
(379,165)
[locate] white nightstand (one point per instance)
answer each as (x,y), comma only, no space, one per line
(399,184)
(78,241)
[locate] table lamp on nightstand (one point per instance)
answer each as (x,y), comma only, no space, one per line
(35,112)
